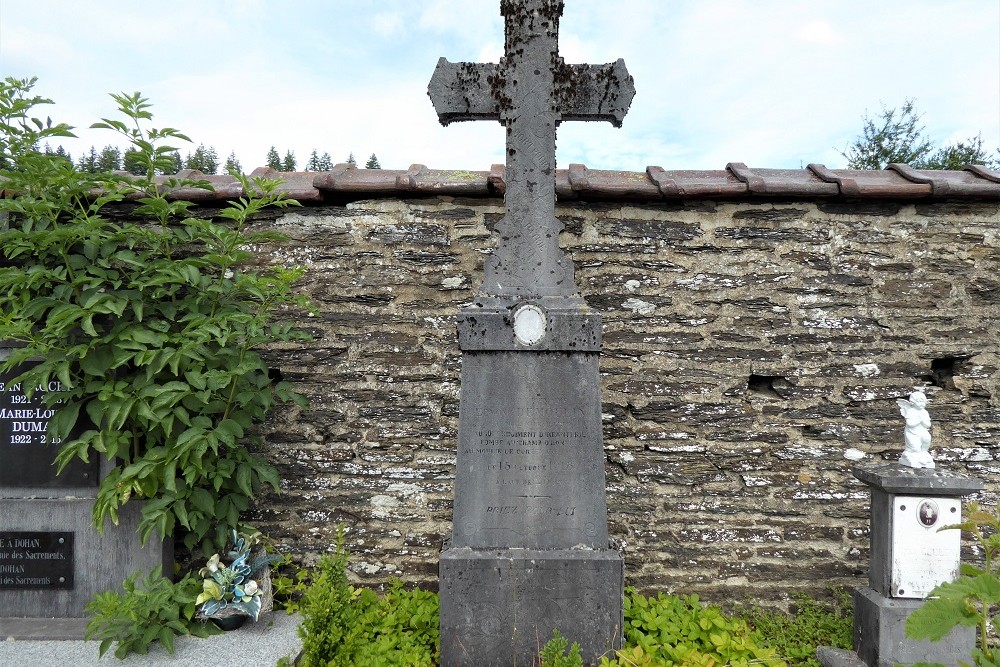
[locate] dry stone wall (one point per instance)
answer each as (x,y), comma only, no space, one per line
(752,354)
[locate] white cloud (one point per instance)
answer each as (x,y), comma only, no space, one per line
(21,43)
(819,32)
(491,52)
(443,15)
(387,24)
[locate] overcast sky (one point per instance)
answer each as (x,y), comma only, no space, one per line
(772,83)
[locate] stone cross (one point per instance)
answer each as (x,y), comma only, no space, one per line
(529,550)
(530,92)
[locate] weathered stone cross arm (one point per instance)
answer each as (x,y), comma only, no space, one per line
(475,91)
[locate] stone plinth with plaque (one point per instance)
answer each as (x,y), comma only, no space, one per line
(52,559)
(910,555)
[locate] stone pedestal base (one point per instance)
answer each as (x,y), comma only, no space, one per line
(499,607)
(880,634)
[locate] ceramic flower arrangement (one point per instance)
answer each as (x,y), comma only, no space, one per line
(240,588)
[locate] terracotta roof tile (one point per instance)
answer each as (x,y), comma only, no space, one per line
(885,184)
(737,181)
(983,172)
(699,184)
(976,181)
(783,182)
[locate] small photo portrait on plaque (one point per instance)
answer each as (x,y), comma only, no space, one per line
(928,513)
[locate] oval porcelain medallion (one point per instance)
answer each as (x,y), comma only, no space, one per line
(529,324)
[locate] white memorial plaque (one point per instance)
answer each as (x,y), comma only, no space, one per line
(924,556)
(529,324)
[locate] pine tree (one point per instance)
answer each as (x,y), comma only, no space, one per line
(273,160)
(88,161)
(313,163)
(211,161)
(109,159)
(351,161)
(205,160)
(178,163)
(62,152)
(288,164)
(195,160)
(372,163)
(958,155)
(325,163)
(233,165)
(893,137)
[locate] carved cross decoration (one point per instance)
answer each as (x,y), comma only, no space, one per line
(530,92)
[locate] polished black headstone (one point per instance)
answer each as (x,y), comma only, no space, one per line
(26,450)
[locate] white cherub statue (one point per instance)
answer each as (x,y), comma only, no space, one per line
(917,436)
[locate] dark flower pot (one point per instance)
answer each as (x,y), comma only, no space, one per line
(230,622)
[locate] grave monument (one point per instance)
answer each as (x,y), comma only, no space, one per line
(52,559)
(529,550)
(911,502)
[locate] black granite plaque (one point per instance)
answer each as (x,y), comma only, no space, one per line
(36,560)
(26,450)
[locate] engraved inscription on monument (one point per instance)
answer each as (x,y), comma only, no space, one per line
(924,556)
(36,560)
(26,451)
(520,463)
(530,466)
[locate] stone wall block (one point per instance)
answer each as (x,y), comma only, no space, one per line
(752,352)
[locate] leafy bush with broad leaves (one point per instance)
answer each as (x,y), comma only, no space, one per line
(150,322)
(972,600)
(668,630)
(150,611)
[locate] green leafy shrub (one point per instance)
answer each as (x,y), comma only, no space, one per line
(344,626)
(631,656)
(554,654)
(154,610)
(972,600)
(150,324)
(812,623)
(678,630)
(289,583)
